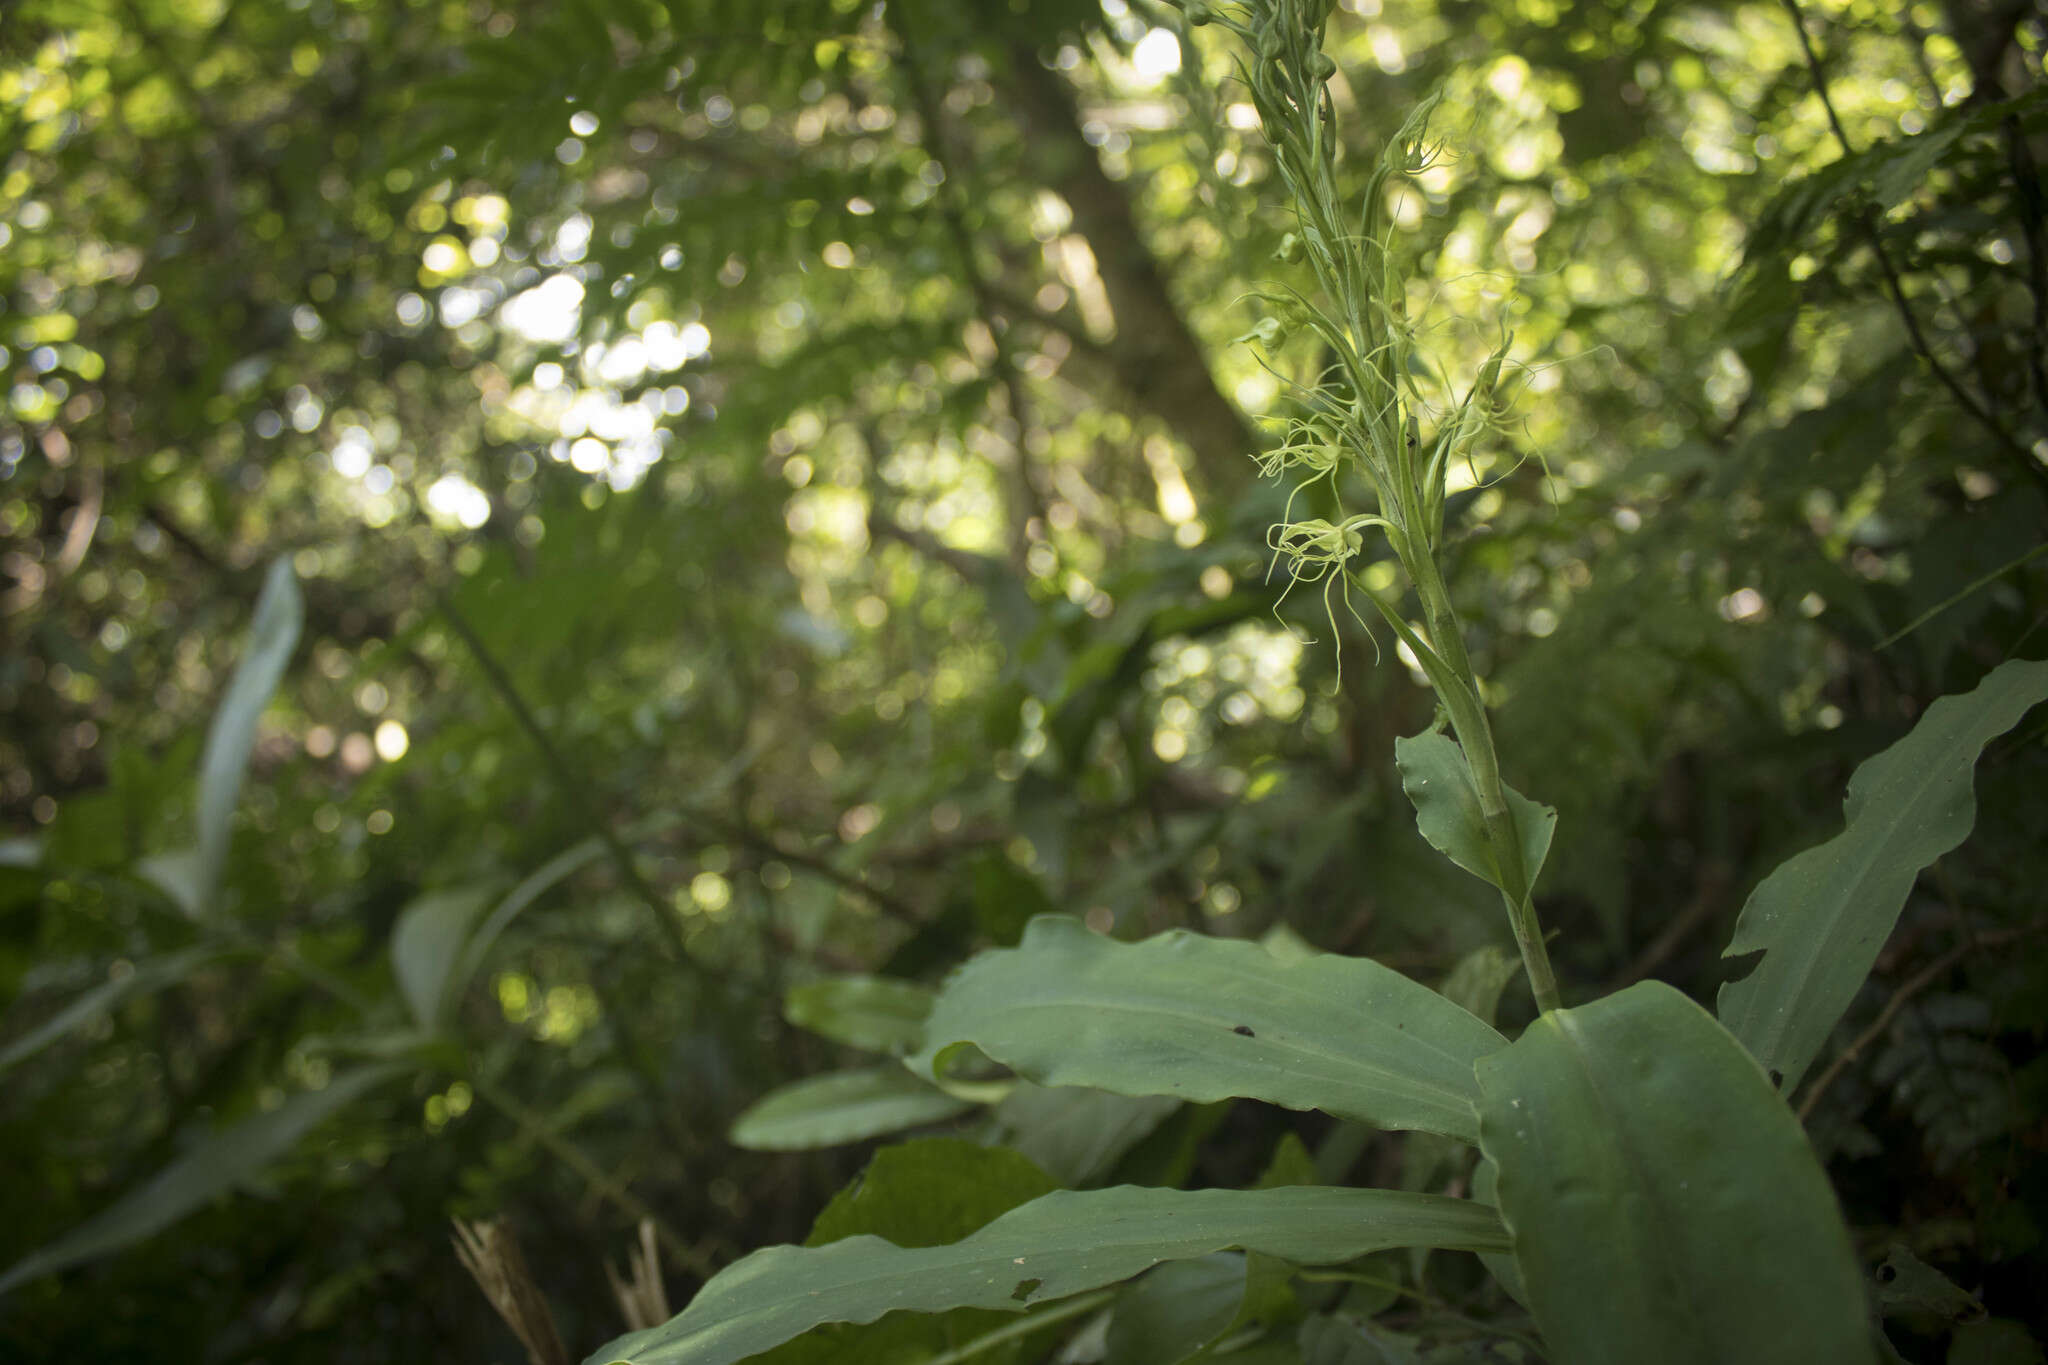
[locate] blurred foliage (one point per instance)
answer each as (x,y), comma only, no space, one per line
(770,489)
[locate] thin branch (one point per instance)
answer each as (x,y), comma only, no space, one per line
(601,1182)
(1697,912)
(1966,591)
(570,783)
(978,570)
(818,867)
(1926,977)
(1155,353)
(1024,500)
(576,794)
(1894,285)
(2026,175)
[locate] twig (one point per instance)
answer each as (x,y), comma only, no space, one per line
(566,778)
(1926,977)
(1696,912)
(1938,608)
(573,790)
(826,872)
(2026,177)
(1969,402)
(601,1181)
(1024,501)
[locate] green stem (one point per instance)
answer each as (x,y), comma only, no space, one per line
(1059,1312)
(1459,692)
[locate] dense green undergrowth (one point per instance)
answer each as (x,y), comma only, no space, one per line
(623,616)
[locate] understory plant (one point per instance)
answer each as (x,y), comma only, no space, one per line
(1641,1186)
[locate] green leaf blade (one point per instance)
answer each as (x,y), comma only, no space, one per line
(273,635)
(1434,775)
(426,944)
(1065,1243)
(873,1013)
(1663,1201)
(1821,918)
(842,1106)
(209,1169)
(146,976)
(1204,1019)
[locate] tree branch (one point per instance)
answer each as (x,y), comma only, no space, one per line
(1978,410)
(1901,997)
(1155,355)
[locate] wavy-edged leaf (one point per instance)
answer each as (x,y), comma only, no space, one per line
(211,1168)
(1820,919)
(1438,783)
(1207,1019)
(929,1192)
(1064,1243)
(917,1194)
(873,1013)
(1665,1204)
(147,976)
(273,634)
(842,1106)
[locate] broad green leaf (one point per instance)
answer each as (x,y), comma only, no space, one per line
(1434,775)
(1478,978)
(1821,918)
(272,636)
(918,1194)
(1282,942)
(1077,1133)
(209,1169)
(1207,1019)
(1664,1203)
(147,976)
(1928,1301)
(1176,1310)
(426,943)
(874,1013)
(929,1192)
(1760,312)
(1290,1164)
(1065,1243)
(842,1106)
(1475,984)
(1167,1155)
